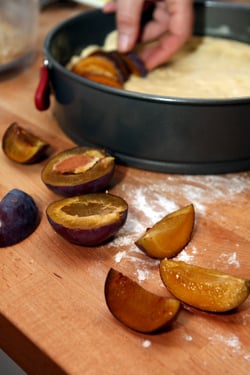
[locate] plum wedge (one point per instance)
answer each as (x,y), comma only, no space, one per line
(169,235)
(136,307)
(99,64)
(134,64)
(203,288)
(79,170)
(89,219)
(22,146)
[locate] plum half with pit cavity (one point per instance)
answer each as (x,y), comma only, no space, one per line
(79,170)
(89,219)
(19,217)
(136,307)
(22,146)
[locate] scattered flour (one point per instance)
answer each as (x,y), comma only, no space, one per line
(188,337)
(194,250)
(231,341)
(185,257)
(231,259)
(160,198)
(143,274)
(154,209)
(130,254)
(119,256)
(146,343)
(246,319)
(150,202)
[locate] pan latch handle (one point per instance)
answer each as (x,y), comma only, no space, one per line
(42,94)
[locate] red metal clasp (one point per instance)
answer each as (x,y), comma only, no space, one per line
(42,94)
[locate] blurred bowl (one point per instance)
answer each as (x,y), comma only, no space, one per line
(165,134)
(18,33)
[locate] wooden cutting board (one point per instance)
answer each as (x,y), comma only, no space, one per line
(53,315)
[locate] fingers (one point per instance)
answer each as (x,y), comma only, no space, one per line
(161,52)
(128,23)
(157,26)
(128,17)
(172,32)
(171,26)
(110,7)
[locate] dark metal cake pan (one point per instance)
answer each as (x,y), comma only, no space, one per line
(165,134)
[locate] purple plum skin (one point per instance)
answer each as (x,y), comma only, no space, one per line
(93,180)
(93,186)
(17,141)
(89,219)
(19,217)
(89,237)
(138,63)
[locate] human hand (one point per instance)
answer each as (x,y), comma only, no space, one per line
(170,27)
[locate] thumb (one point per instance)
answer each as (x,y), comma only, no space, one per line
(128,23)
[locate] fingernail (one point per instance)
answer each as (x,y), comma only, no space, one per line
(123,42)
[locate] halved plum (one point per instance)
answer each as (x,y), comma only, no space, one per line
(170,235)
(79,170)
(89,219)
(204,288)
(19,217)
(22,146)
(136,307)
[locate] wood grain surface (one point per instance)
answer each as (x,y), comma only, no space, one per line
(53,316)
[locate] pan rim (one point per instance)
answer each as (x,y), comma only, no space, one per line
(52,62)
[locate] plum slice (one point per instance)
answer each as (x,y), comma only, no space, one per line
(89,219)
(122,72)
(22,146)
(110,68)
(169,235)
(134,64)
(203,288)
(79,170)
(120,63)
(19,217)
(98,63)
(136,307)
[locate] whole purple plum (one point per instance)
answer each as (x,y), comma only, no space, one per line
(19,217)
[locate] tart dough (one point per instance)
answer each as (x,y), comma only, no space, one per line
(205,67)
